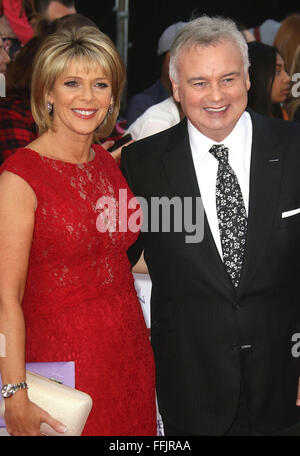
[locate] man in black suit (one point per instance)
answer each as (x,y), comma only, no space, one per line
(225,312)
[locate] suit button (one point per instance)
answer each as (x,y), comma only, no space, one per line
(236,305)
(235,347)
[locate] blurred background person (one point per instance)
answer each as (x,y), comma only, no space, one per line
(18,128)
(265,32)
(287,39)
(4,58)
(270,83)
(54,9)
(161,89)
(16,24)
(157,118)
(72,20)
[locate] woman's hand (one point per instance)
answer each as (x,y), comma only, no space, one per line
(24,418)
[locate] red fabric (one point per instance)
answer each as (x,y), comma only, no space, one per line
(80,302)
(17,127)
(18,22)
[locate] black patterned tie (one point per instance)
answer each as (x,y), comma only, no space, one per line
(231,213)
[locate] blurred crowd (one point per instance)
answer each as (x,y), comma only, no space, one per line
(274,51)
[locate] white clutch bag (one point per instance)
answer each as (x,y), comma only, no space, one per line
(67,405)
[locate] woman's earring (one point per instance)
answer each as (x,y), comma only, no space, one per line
(49,107)
(110,109)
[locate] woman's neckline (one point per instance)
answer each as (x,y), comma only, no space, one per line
(62,161)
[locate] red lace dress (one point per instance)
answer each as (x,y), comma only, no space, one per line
(80,302)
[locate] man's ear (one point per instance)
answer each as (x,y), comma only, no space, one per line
(175,88)
(248,83)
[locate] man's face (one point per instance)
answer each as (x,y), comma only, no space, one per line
(56,10)
(4,58)
(212,87)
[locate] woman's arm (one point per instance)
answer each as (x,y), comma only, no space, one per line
(17,209)
(141,266)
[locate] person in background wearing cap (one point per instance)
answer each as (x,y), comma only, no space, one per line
(162,88)
(266,32)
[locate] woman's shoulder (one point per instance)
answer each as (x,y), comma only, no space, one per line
(22,155)
(23,163)
(20,165)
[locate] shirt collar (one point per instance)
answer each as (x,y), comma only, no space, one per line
(200,144)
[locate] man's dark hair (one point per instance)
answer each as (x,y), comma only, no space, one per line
(42,5)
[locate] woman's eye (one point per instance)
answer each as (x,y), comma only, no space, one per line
(71,83)
(101,85)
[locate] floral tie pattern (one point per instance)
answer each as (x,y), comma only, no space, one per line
(231,214)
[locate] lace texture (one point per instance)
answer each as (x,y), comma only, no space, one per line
(80,302)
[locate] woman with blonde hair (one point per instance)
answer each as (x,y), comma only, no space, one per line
(64,277)
(287,39)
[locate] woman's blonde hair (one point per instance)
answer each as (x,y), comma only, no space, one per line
(87,46)
(287,39)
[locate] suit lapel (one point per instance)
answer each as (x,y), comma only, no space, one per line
(178,164)
(180,174)
(265,177)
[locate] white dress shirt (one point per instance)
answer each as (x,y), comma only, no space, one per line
(239,143)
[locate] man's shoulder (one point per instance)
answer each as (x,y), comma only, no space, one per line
(274,123)
(280,128)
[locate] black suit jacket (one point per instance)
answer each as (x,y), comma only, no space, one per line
(207,336)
